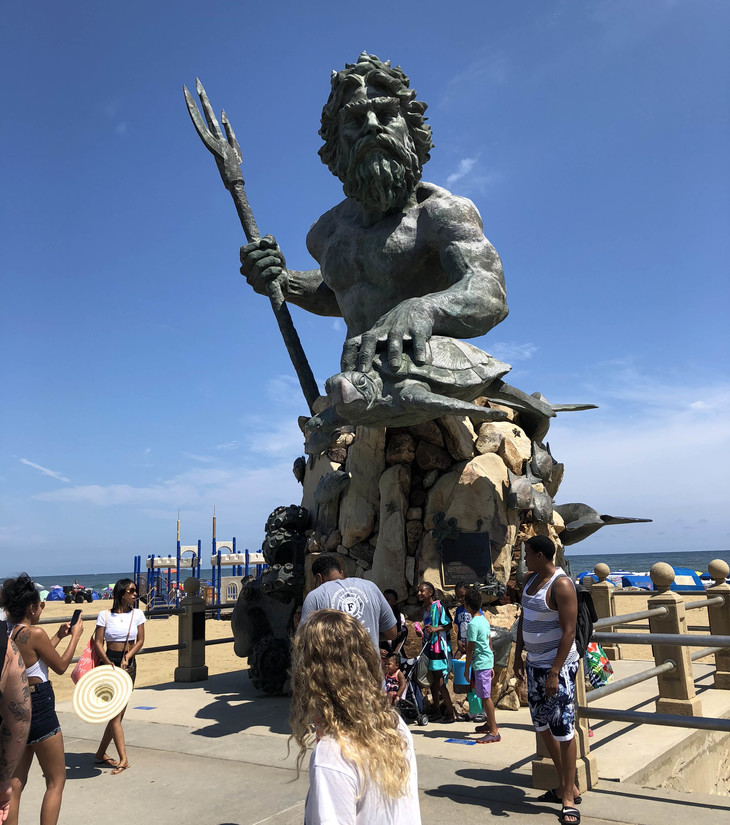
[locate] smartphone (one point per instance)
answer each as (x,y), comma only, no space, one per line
(76,616)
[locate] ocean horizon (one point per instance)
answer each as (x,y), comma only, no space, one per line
(636,561)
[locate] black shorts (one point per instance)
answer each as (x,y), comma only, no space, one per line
(116,656)
(43,722)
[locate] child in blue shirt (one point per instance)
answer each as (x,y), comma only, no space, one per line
(479,655)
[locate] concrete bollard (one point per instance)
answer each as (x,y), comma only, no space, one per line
(676,688)
(602,592)
(191,665)
(720,620)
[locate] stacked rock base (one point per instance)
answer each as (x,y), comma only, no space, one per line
(376,495)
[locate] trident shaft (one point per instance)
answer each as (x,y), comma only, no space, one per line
(227,154)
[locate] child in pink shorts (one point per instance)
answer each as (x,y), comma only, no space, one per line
(480,658)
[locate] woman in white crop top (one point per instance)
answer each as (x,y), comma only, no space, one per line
(122,629)
(24,607)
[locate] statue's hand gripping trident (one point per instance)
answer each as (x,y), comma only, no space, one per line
(227,154)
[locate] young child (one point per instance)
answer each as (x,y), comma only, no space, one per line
(479,655)
(462,617)
(395,681)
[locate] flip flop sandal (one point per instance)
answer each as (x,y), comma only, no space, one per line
(489,739)
(119,769)
(572,812)
(107,762)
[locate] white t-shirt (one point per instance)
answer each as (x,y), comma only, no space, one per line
(117,625)
(334,783)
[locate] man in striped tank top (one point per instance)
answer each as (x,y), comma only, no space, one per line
(546,632)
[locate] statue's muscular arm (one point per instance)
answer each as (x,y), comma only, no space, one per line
(263,261)
(473,304)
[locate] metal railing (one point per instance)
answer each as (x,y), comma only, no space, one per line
(670,640)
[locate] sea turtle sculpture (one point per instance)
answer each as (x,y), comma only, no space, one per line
(453,375)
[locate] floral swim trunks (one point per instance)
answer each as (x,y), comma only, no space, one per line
(558,712)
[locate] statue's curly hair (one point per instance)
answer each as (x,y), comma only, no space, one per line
(371,71)
(337,686)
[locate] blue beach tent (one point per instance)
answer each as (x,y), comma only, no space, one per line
(687,579)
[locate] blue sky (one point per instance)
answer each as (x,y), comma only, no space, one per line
(141,375)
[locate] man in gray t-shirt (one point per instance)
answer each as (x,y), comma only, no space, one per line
(358,597)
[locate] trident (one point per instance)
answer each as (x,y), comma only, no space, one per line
(227,154)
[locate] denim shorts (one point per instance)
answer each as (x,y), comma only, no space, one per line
(43,722)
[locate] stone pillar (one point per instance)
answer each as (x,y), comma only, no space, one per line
(720,620)
(602,592)
(676,688)
(544,774)
(191,665)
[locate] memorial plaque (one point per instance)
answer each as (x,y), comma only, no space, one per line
(466,557)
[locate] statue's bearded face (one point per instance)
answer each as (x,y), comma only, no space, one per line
(377,161)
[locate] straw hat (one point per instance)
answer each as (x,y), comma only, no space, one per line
(102,693)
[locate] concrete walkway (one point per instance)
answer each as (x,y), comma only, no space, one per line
(213,753)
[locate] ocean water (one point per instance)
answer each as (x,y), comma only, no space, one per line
(99,581)
(635,562)
(641,562)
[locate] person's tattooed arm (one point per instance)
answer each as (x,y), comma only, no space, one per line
(15,712)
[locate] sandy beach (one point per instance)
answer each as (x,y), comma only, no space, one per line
(154,669)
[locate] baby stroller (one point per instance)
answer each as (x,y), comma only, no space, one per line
(410,706)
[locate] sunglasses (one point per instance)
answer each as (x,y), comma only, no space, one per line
(131,590)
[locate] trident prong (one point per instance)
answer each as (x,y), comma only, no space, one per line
(228,157)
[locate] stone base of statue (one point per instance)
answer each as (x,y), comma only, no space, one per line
(444,501)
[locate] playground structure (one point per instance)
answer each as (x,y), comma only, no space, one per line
(160,583)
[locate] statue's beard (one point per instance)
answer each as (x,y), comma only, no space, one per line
(380,173)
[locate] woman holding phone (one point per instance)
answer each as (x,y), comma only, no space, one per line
(122,630)
(23,606)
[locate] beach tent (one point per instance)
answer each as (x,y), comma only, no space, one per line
(95,596)
(43,595)
(55,594)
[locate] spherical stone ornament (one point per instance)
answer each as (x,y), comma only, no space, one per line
(102,693)
(191,586)
(602,570)
(662,574)
(719,570)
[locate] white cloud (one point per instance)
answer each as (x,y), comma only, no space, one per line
(45,470)
(655,455)
(464,168)
(203,459)
(338,325)
(284,390)
(242,496)
(512,351)
(274,438)
(228,446)
(121,128)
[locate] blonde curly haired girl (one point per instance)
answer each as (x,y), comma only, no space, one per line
(362,768)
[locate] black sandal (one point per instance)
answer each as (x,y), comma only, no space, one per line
(552,796)
(573,812)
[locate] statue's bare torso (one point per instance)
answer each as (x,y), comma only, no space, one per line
(373,268)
